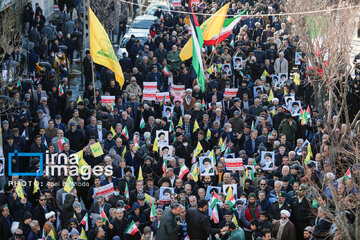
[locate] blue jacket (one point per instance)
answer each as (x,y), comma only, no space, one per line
(155,77)
(248,146)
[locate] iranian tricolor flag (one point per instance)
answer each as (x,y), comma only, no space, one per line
(227,28)
(171,128)
(19,82)
(61,142)
(215,214)
(142,123)
(183,171)
(198,43)
(231,201)
(85,222)
(348,174)
(153,211)
(43,235)
(166,71)
(125,133)
(103,216)
(164,166)
(132,229)
(61,90)
(126,192)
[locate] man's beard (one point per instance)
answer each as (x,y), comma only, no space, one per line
(283,223)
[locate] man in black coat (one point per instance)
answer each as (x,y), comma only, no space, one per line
(87,68)
(301,212)
(169,229)
(40,211)
(100,205)
(119,224)
(198,222)
(5,222)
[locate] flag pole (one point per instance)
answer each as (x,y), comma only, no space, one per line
(93,79)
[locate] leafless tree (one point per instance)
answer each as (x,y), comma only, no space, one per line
(325,37)
(10,41)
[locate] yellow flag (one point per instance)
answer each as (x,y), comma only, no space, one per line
(147,197)
(208,134)
(83,234)
(101,49)
(140,177)
(220,142)
(196,126)
(198,149)
(271,95)
(19,190)
(265,74)
(297,79)
(36,186)
(75,216)
(123,153)
(156,146)
(79,99)
(83,166)
(273,112)
(180,121)
(69,185)
(113,131)
(51,234)
(309,150)
(80,155)
(210,28)
(235,221)
(194,173)
(229,193)
(96,149)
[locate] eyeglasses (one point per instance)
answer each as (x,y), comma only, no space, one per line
(262,184)
(283,217)
(43,199)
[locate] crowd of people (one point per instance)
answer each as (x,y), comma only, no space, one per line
(245,164)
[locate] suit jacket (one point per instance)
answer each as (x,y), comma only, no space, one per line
(39,214)
(282,67)
(248,146)
(94,132)
(96,209)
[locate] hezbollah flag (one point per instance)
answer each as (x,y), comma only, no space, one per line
(198,43)
(101,49)
(210,28)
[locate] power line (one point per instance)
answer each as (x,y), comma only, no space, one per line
(256,15)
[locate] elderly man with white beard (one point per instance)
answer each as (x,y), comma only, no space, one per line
(284,229)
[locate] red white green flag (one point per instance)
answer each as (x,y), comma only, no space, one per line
(215,214)
(125,133)
(61,90)
(103,216)
(215,200)
(166,71)
(164,166)
(126,192)
(153,211)
(142,123)
(348,174)
(183,171)
(85,222)
(132,229)
(231,201)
